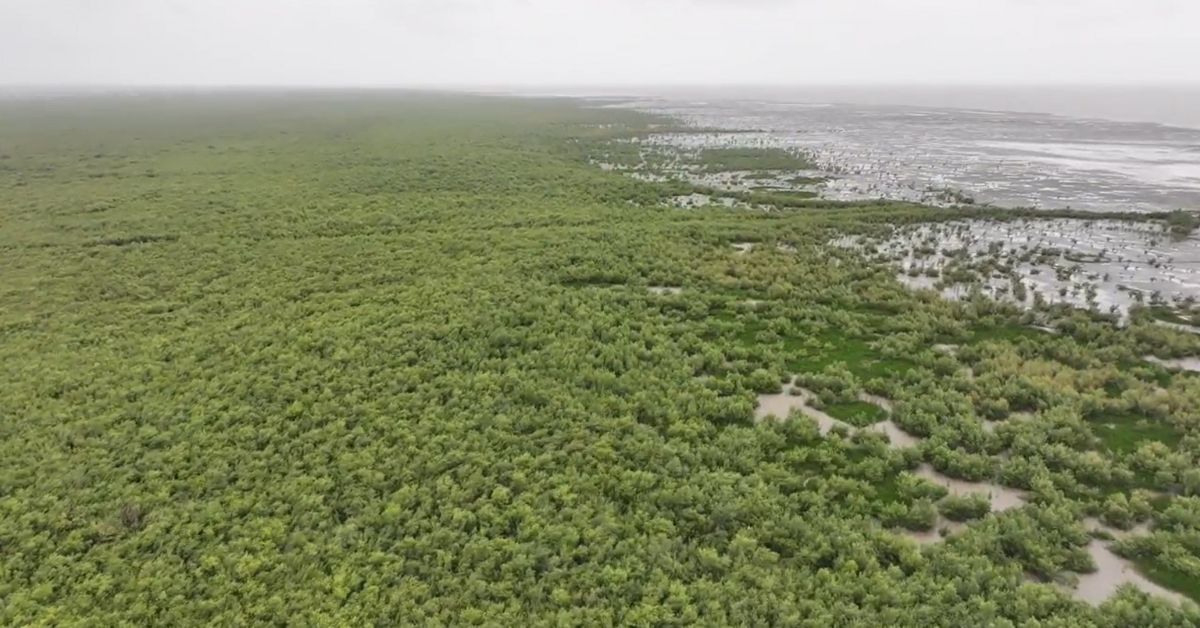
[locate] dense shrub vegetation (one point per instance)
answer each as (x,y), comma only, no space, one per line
(757,159)
(393,359)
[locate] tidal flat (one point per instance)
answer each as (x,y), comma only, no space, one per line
(941,155)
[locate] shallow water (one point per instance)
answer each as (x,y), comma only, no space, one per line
(896,435)
(1002,497)
(1104,265)
(918,152)
(1171,105)
(779,406)
(1113,572)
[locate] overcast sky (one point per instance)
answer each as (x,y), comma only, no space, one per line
(579,42)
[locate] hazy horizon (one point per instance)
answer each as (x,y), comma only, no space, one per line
(1176,104)
(483,86)
(595,43)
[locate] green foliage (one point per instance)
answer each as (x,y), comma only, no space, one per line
(1127,432)
(1174,315)
(360,358)
(1182,223)
(965,507)
(858,413)
(1164,574)
(825,349)
(920,516)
